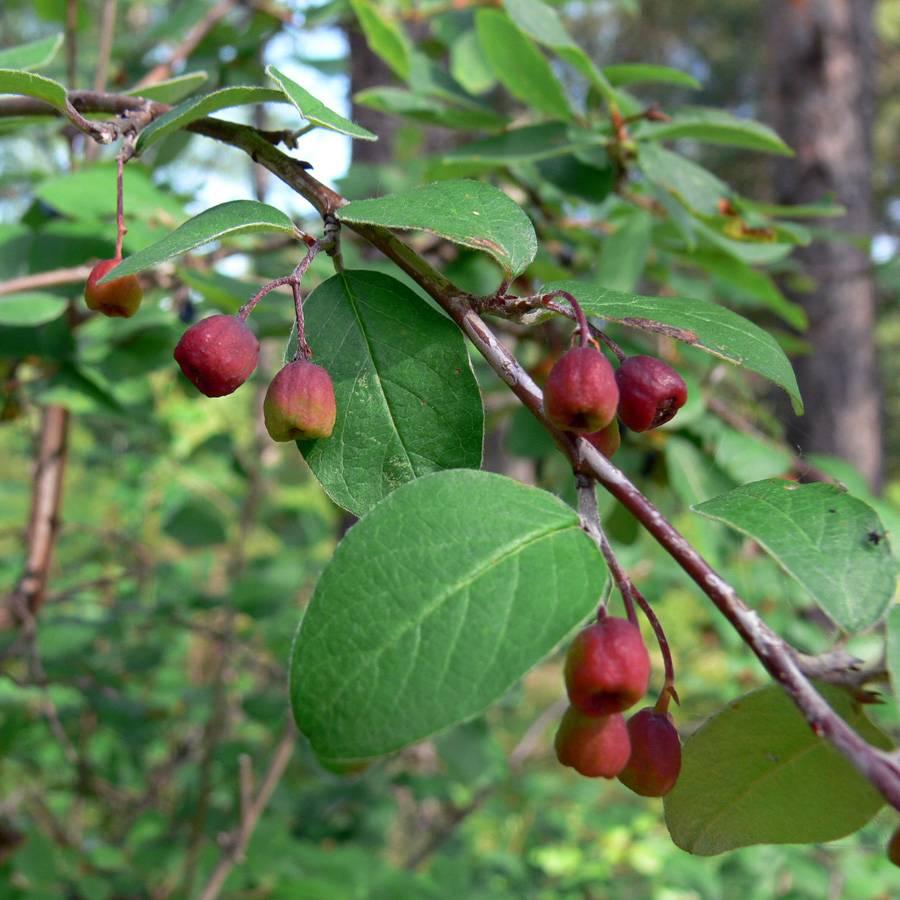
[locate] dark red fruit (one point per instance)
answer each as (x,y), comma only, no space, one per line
(607,667)
(650,392)
(299,403)
(655,760)
(606,440)
(597,747)
(218,354)
(120,297)
(580,393)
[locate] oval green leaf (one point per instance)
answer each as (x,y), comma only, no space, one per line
(31,56)
(384,37)
(200,107)
(756,774)
(30,308)
(714,126)
(518,64)
(624,74)
(30,85)
(472,213)
(314,110)
(407,400)
(172,90)
(215,224)
(833,544)
(710,327)
(432,606)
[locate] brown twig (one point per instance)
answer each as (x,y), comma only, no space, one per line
(235,844)
(30,591)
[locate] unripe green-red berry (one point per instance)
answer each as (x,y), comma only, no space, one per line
(581,393)
(650,392)
(597,747)
(607,667)
(606,440)
(120,297)
(655,760)
(218,354)
(299,403)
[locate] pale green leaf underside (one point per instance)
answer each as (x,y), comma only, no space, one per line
(624,74)
(314,110)
(472,213)
(830,542)
(200,107)
(407,400)
(32,55)
(432,606)
(705,325)
(215,224)
(755,773)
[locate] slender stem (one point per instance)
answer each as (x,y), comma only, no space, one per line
(120,202)
(583,330)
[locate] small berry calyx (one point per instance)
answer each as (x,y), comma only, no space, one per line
(217,354)
(597,746)
(607,667)
(119,298)
(299,403)
(650,392)
(655,760)
(581,393)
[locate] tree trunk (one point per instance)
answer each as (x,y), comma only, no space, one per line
(821,85)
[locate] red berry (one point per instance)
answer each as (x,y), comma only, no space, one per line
(299,403)
(655,760)
(606,440)
(120,297)
(650,392)
(597,747)
(581,394)
(607,667)
(218,354)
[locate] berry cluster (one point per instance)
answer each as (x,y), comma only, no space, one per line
(585,395)
(607,671)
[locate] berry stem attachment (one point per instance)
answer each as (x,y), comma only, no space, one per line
(303,351)
(590,522)
(595,333)
(583,330)
(326,243)
(120,193)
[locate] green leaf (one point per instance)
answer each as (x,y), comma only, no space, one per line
(407,399)
(831,543)
(172,90)
(471,213)
(697,187)
(31,56)
(705,325)
(519,66)
(315,111)
(624,74)
(756,773)
(30,85)
(196,523)
(527,144)
(431,110)
(383,36)
(433,605)
(713,126)
(541,22)
(200,107)
(893,650)
(31,308)
(215,224)
(623,254)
